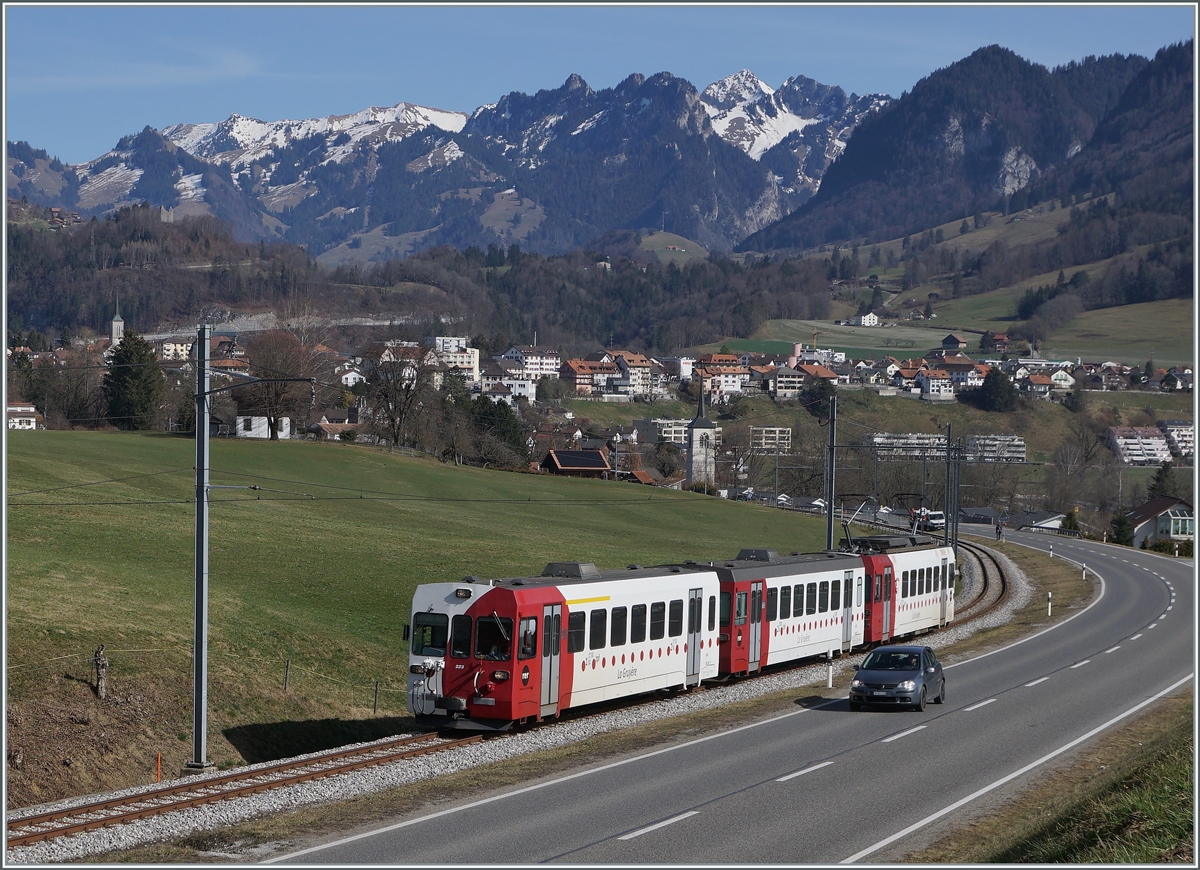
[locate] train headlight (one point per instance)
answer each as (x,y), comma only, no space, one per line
(499,676)
(416,669)
(856,684)
(907,686)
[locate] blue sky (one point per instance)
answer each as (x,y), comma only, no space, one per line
(77,78)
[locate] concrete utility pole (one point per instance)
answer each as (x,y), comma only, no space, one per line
(830,487)
(200,761)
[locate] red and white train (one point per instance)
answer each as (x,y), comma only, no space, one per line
(486,654)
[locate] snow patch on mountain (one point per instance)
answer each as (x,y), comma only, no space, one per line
(190,189)
(736,90)
(755,132)
(111,185)
(239,141)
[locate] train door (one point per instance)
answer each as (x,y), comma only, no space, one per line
(694,625)
(848,611)
(551,661)
(888,581)
(945,594)
(756,615)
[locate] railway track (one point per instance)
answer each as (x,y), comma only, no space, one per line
(203,790)
(993,587)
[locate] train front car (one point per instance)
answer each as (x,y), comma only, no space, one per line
(486,654)
(781,609)
(912,586)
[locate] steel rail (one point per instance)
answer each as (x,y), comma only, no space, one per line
(112,811)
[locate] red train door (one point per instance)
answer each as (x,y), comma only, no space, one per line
(695,611)
(551,645)
(756,617)
(888,580)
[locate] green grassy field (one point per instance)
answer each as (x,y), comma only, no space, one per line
(1164,331)
(900,341)
(318,567)
(659,243)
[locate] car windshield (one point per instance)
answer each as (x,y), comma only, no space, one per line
(892,660)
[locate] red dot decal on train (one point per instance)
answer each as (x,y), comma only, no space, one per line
(642,657)
(593,664)
(603,662)
(684,648)
(651,653)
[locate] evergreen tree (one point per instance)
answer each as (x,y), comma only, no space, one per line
(997,392)
(1163,482)
(133,384)
(1121,530)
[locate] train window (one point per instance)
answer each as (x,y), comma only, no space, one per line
(878,587)
(725,607)
(904,585)
(950,576)
(599,629)
(772,604)
(620,616)
(858,597)
(810,599)
(835,595)
(921,581)
(785,602)
(576,630)
(460,636)
(429,634)
(823,597)
(739,617)
(675,623)
(493,638)
(712,613)
(637,624)
(887,584)
(695,603)
(528,637)
(658,619)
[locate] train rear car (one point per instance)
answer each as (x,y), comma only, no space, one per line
(782,609)
(488,653)
(912,586)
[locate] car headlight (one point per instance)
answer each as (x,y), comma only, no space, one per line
(907,686)
(856,684)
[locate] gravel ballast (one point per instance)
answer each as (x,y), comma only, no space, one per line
(549,736)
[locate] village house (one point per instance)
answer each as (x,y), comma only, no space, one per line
(1138,445)
(538,362)
(22,415)
(1163,518)
(589,377)
(1180,435)
(785,383)
(636,368)
(935,385)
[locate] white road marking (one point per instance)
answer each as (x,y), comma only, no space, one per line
(1169,607)
(802,772)
(1114,649)
(1136,636)
(916,826)
(1152,625)
(980,704)
(1035,682)
(678,818)
(902,734)
(1081,664)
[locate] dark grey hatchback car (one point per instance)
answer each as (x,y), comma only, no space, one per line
(898,676)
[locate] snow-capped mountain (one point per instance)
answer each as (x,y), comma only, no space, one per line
(814,119)
(239,142)
(549,170)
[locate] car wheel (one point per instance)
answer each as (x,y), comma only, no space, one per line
(920,705)
(941,698)
(855,706)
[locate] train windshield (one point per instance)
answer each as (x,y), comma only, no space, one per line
(429,634)
(892,661)
(493,638)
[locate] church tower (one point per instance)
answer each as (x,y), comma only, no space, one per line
(118,327)
(702,448)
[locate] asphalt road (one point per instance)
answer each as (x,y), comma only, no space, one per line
(823,785)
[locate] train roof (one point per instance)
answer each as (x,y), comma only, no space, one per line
(573,573)
(883,543)
(768,563)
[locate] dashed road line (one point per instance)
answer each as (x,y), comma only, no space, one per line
(902,734)
(1136,636)
(802,772)
(678,818)
(1035,682)
(1080,664)
(977,706)
(1114,649)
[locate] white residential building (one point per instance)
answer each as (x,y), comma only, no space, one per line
(448,343)
(995,448)
(1181,436)
(538,362)
(867,319)
(1138,445)
(464,359)
(174,349)
(22,415)
(652,430)
(770,439)
(249,426)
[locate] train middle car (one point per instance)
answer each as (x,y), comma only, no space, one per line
(781,609)
(911,586)
(489,653)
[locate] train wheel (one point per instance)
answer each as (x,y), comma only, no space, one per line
(941,698)
(920,705)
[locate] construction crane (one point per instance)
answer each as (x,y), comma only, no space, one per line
(814,335)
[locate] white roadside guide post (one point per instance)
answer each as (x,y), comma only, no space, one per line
(1051,551)
(829,679)
(1049,603)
